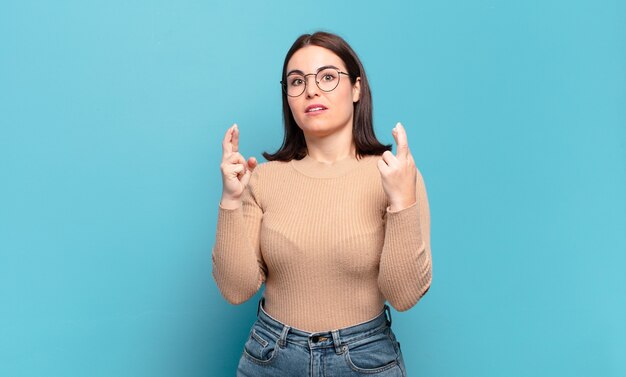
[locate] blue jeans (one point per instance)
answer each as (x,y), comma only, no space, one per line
(274,349)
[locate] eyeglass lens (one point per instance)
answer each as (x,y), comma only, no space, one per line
(326,79)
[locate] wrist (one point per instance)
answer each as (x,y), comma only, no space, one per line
(230,203)
(399,206)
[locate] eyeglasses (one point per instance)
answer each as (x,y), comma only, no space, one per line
(327,79)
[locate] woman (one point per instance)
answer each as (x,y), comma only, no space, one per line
(334,224)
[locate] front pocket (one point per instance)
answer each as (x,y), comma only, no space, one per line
(261,346)
(374,354)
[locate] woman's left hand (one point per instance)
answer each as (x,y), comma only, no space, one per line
(399,173)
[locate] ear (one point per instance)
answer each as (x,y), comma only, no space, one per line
(356,90)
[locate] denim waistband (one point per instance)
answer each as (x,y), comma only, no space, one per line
(320,339)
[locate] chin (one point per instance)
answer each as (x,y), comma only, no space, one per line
(319,131)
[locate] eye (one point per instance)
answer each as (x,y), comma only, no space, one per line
(296,81)
(328,76)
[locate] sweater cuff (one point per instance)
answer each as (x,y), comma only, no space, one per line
(402,210)
(229,209)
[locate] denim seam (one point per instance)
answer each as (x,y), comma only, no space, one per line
(268,328)
(344,341)
(365,370)
(365,335)
(277,335)
(262,362)
(259,339)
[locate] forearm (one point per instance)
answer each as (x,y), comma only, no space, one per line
(235,266)
(405,270)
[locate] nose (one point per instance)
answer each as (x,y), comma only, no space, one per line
(311,88)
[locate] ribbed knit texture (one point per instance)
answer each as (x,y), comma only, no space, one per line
(324,241)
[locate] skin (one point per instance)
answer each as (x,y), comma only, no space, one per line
(328,135)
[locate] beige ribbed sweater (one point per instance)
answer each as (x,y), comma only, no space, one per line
(325,243)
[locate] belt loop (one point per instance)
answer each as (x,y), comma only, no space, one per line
(337,342)
(388,310)
(258,309)
(282,342)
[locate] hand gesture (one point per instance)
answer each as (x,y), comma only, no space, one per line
(236,170)
(399,173)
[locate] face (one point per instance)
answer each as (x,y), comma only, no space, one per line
(320,113)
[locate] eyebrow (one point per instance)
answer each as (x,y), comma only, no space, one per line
(319,69)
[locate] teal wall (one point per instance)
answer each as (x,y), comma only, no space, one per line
(112,115)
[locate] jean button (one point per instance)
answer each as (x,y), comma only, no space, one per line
(315,339)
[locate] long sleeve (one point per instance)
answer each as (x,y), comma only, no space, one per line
(308,232)
(405,270)
(238,267)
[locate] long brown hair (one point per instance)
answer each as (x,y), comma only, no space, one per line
(294,143)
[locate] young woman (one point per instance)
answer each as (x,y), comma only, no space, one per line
(334,224)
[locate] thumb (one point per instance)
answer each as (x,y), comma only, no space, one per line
(252,164)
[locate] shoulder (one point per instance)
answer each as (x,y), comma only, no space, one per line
(267,172)
(370,164)
(269,167)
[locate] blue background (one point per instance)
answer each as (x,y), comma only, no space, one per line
(112,115)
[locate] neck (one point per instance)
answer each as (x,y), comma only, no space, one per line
(331,148)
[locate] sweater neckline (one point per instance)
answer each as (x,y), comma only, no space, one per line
(317,169)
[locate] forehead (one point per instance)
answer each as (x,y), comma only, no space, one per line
(310,58)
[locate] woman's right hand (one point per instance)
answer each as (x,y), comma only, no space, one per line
(236,170)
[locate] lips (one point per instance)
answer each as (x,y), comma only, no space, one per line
(311,109)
